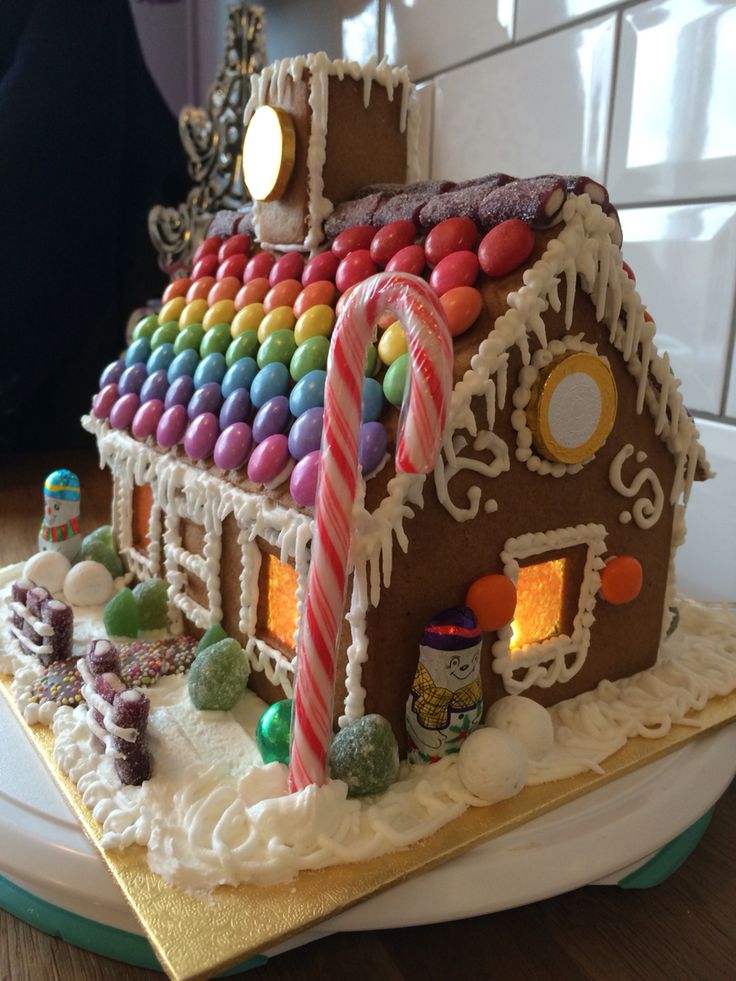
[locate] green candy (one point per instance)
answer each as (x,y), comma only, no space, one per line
(279,346)
(215,341)
(166,334)
(101,534)
(218,676)
(309,356)
(189,339)
(212,635)
(365,755)
(121,615)
(394,381)
(371,361)
(146,327)
(675,621)
(244,346)
(97,550)
(273,732)
(153,604)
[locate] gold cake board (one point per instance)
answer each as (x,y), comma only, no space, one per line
(199,937)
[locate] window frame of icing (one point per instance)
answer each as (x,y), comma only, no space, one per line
(546,663)
(179,561)
(143,565)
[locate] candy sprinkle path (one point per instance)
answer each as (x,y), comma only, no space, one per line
(142,662)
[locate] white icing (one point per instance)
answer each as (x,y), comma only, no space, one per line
(646,511)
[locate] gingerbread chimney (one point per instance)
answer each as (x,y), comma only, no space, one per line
(318,130)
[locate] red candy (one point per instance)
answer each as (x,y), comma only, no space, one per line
(178,287)
(391,239)
(410,259)
(451,235)
(259,266)
(354,268)
(357,238)
(457,269)
(206,266)
(210,246)
(233,266)
(505,247)
(322,266)
(235,245)
(289,266)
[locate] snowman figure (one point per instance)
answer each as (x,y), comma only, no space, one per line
(446,701)
(60,525)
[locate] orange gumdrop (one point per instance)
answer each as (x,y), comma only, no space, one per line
(200,288)
(283,294)
(493,601)
(177,287)
(462,308)
(621,579)
(253,292)
(320,292)
(226,289)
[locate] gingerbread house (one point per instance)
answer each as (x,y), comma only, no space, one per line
(567,447)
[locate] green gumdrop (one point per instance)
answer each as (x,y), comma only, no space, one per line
(244,346)
(395,380)
(96,550)
(215,341)
(121,615)
(146,327)
(365,755)
(101,534)
(279,346)
(189,339)
(165,334)
(273,732)
(153,604)
(310,356)
(218,676)
(371,361)
(212,635)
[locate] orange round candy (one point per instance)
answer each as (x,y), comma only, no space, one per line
(321,292)
(253,292)
(177,287)
(493,601)
(621,579)
(226,289)
(283,294)
(200,288)
(462,306)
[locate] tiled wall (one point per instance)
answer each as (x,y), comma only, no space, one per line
(641,96)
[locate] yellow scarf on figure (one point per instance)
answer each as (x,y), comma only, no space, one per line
(433,705)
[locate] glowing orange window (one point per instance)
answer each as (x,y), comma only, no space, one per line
(142,506)
(277,604)
(540,602)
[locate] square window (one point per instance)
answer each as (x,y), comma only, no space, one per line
(278,607)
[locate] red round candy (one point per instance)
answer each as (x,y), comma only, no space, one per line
(451,235)
(354,268)
(235,245)
(177,287)
(390,239)
(289,266)
(259,266)
(358,237)
(206,266)
(322,266)
(210,246)
(505,247)
(410,259)
(232,266)
(456,269)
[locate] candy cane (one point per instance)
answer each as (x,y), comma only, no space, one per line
(421,428)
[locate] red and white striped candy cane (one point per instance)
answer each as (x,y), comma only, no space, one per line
(421,428)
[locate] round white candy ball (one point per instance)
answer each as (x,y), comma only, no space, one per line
(47,569)
(525,719)
(88,584)
(492,764)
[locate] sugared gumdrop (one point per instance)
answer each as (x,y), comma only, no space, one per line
(132,770)
(218,676)
(121,615)
(153,604)
(273,732)
(130,710)
(365,755)
(102,658)
(212,635)
(96,550)
(108,685)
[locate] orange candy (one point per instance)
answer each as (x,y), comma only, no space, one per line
(253,292)
(621,579)
(462,306)
(177,287)
(200,289)
(283,294)
(316,294)
(226,289)
(493,601)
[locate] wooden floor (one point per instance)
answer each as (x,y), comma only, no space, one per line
(684,930)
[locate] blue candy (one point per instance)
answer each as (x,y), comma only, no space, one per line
(272,380)
(240,375)
(138,352)
(161,358)
(210,369)
(183,364)
(308,392)
(372,400)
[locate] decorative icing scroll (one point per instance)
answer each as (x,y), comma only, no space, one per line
(646,511)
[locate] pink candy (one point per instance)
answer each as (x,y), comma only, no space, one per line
(304,477)
(201,436)
(147,418)
(171,426)
(268,459)
(233,446)
(121,414)
(103,402)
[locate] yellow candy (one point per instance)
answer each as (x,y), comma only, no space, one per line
(392,344)
(280,318)
(221,312)
(193,313)
(249,318)
(315,322)
(172,310)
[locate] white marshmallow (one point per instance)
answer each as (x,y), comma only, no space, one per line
(492,764)
(530,722)
(88,584)
(48,569)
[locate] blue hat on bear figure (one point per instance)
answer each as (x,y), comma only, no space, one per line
(63,485)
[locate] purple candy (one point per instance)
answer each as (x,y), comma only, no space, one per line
(268,459)
(373,444)
(201,436)
(102,658)
(208,398)
(235,409)
(155,387)
(303,484)
(180,392)
(306,433)
(104,401)
(171,426)
(111,374)
(147,418)
(233,446)
(273,417)
(132,379)
(121,414)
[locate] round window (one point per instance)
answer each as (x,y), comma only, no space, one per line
(268,153)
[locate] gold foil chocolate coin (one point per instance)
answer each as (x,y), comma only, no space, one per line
(268,153)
